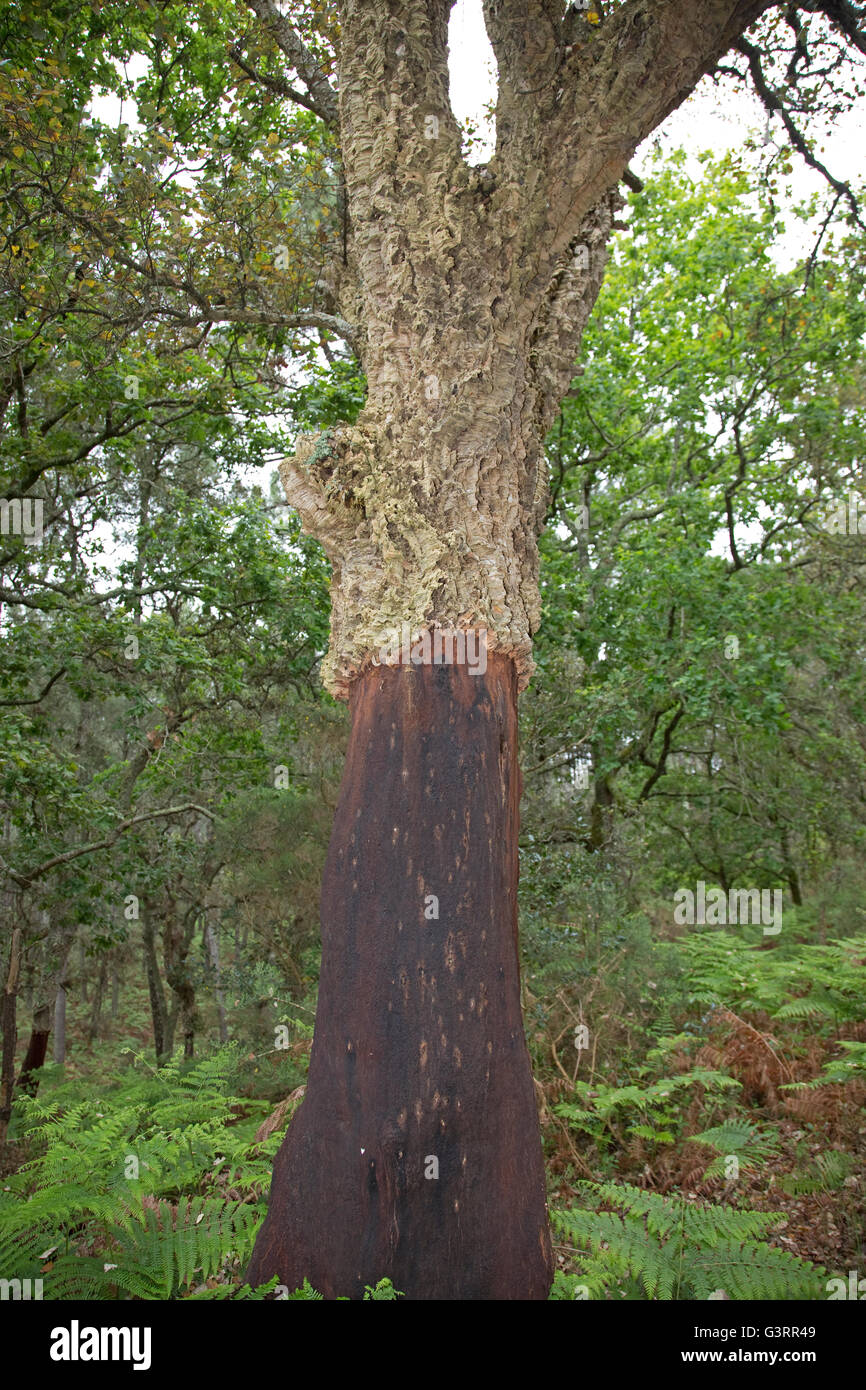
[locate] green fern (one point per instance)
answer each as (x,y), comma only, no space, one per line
(383,1292)
(825,983)
(738,1139)
(849,1067)
(826,1173)
(649,1110)
(142,1193)
(635,1244)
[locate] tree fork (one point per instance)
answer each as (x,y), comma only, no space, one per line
(416,1153)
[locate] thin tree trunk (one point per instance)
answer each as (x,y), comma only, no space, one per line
(10,1033)
(213,952)
(187,1014)
(790,869)
(99,995)
(37,1050)
(171,1018)
(59,1053)
(600,816)
(416,1153)
(115,991)
(177,939)
(82,970)
(155,990)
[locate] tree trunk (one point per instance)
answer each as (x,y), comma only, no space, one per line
(213,954)
(416,1153)
(464,291)
(155,991)
(187,1021)
(98,996)
(37,1049)
(115,992)
(59,1053)
(10,1033)
(60,998)
(793,878)
(177,938)
(601,815)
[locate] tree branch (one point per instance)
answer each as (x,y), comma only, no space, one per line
(323,98)
(273,84)
(25,880)
(774,104)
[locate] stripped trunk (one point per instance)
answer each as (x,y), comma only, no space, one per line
(416,1152)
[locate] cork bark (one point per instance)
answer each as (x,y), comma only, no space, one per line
(468,290)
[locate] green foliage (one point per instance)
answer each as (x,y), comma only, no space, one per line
(141,1192)
(721,396)
(635,1244)
(605,1110)
(739,1139)
(383,1292)
(851,1066)
(825,1173)
(792,980)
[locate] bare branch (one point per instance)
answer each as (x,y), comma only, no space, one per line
(774,104)
(40,697)
(25,880)
(847,17)
(273,84)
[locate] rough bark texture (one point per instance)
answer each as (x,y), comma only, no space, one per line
(468,290)
(419,1051)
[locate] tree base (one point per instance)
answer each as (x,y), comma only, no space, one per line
(416,1153)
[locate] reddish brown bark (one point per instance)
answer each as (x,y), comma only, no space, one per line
(8,1021)
(37,1048)
(419,1050)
